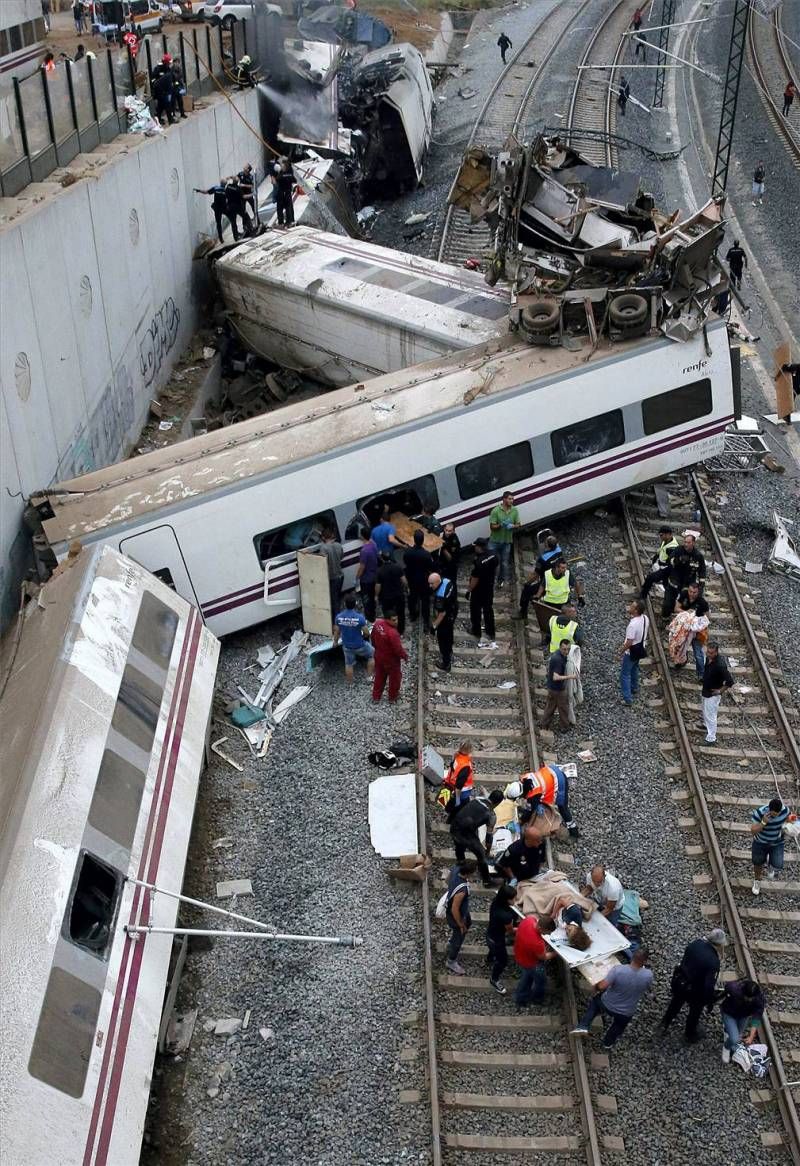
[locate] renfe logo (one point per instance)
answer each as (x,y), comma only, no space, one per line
(697,367)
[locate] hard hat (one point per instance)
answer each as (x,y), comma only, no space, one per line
(245,60)
(513,790)
(166,59)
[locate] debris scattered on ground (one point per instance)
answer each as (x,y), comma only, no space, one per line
(587,756)
(466,93)
(215,748)
(180,1031)
(221,843)
(420,217)
(753,568)
(506,684)
(228,888)
(266,1034)
(227,1026)
(392,815)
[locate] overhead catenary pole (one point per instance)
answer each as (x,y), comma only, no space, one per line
(667,13)
(730,96)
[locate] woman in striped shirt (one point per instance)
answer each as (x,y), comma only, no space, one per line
(767,830)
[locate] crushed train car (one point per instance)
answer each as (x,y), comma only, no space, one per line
(343,310)
(585,246)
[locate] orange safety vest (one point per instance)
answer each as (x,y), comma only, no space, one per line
(545,784)
(456,765)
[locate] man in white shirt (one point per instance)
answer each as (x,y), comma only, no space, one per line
(606,890)
(633,650)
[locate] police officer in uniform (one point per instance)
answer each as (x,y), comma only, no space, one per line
(445,607)
(481,589)
(659,569)
(687,565)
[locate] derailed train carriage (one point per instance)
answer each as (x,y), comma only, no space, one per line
(108,683)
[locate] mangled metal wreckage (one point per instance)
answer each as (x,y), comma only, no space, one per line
(585,248)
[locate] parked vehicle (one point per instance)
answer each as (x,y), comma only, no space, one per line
(228,12)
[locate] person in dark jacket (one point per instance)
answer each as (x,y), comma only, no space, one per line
(247,182)
(741,1009)
(464,826)
(623,95)
(687,565)
(481,591)
(283,180)
(447,557)
(418,566)
(180,87)
(694,982)
(716,676)
(737,261)
(504,44)
(502,922)
(219,205)
(162,87)
(390,589)
(236,207)
(445,610)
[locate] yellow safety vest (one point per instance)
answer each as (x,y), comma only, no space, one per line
(557,633)
(664,550)
(556,591)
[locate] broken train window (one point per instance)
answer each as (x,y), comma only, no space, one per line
(90,916)
(303,532)
(587,438)
(408,497)
(494,471)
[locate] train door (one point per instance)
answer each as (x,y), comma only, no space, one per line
(315,595)
(159,551)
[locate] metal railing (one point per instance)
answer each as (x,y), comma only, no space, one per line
(48,118)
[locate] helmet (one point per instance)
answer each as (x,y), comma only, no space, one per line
(166,59)
(513,790)
(245,60)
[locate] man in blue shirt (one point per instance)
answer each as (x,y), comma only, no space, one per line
(384,535)
(767,846)
(348,627)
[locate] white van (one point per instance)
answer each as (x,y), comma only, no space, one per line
(142,16)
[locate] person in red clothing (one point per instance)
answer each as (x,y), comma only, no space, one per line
(389,651)
(530,952)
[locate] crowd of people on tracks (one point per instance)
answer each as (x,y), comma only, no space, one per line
(398,578)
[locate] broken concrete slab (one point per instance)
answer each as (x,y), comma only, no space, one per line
(230,887)
(227,1027)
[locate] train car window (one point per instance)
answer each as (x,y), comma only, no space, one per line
(89,921)
(677,406)
(62,1046)
(587,438)
(409,497)
(303,532)
(493,471)
(165,575)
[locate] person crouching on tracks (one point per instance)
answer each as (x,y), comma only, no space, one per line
(617,996)
(741,1008)
(659,568)
(502,923)
(458,779)
(547,786)
(465,823)
(694,983)
(389,652)
(767,845)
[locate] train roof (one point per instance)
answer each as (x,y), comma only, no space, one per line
(342,418)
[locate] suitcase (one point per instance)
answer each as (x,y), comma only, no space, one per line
(432,765)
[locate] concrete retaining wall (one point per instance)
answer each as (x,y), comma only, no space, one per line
(98,297)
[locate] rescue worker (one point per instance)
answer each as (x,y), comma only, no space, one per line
(694,983)
(389,652)
(553,592)
(504,44)
(687,565)
(219,205)
(447,556)
(418,568)
(445,610)
(525,857)
(564,626)
(247,182)
(547,786)
(659,568)
(465,823)
(737,261)
(245,73)
(428,520)
(162,88)
(623,95)
(283,180)
(459,777)
(481,592)
(180,85)
(236,207)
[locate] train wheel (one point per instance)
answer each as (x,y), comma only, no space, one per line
(541,318)
(628,311)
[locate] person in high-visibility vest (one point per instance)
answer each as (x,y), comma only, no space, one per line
(459,777)
(553,592)
(565,626)
(546,786)
(659,569)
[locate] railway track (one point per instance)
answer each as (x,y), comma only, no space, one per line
(771,67)
(592,103)
(504,112)
(489,1069)
(715,787)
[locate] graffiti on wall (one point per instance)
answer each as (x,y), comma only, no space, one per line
(158,339)
(100,442)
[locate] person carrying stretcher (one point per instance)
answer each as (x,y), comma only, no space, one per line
(547,786)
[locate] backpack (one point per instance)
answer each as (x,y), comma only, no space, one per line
(444,901)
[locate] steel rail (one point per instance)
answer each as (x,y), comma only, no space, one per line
(581,1073)
(789,736)
(427,940)
(784,129)
(714,853)
(521,110)
(579,80)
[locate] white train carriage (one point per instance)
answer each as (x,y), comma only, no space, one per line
(104,721)
(221,517)
(342,310)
